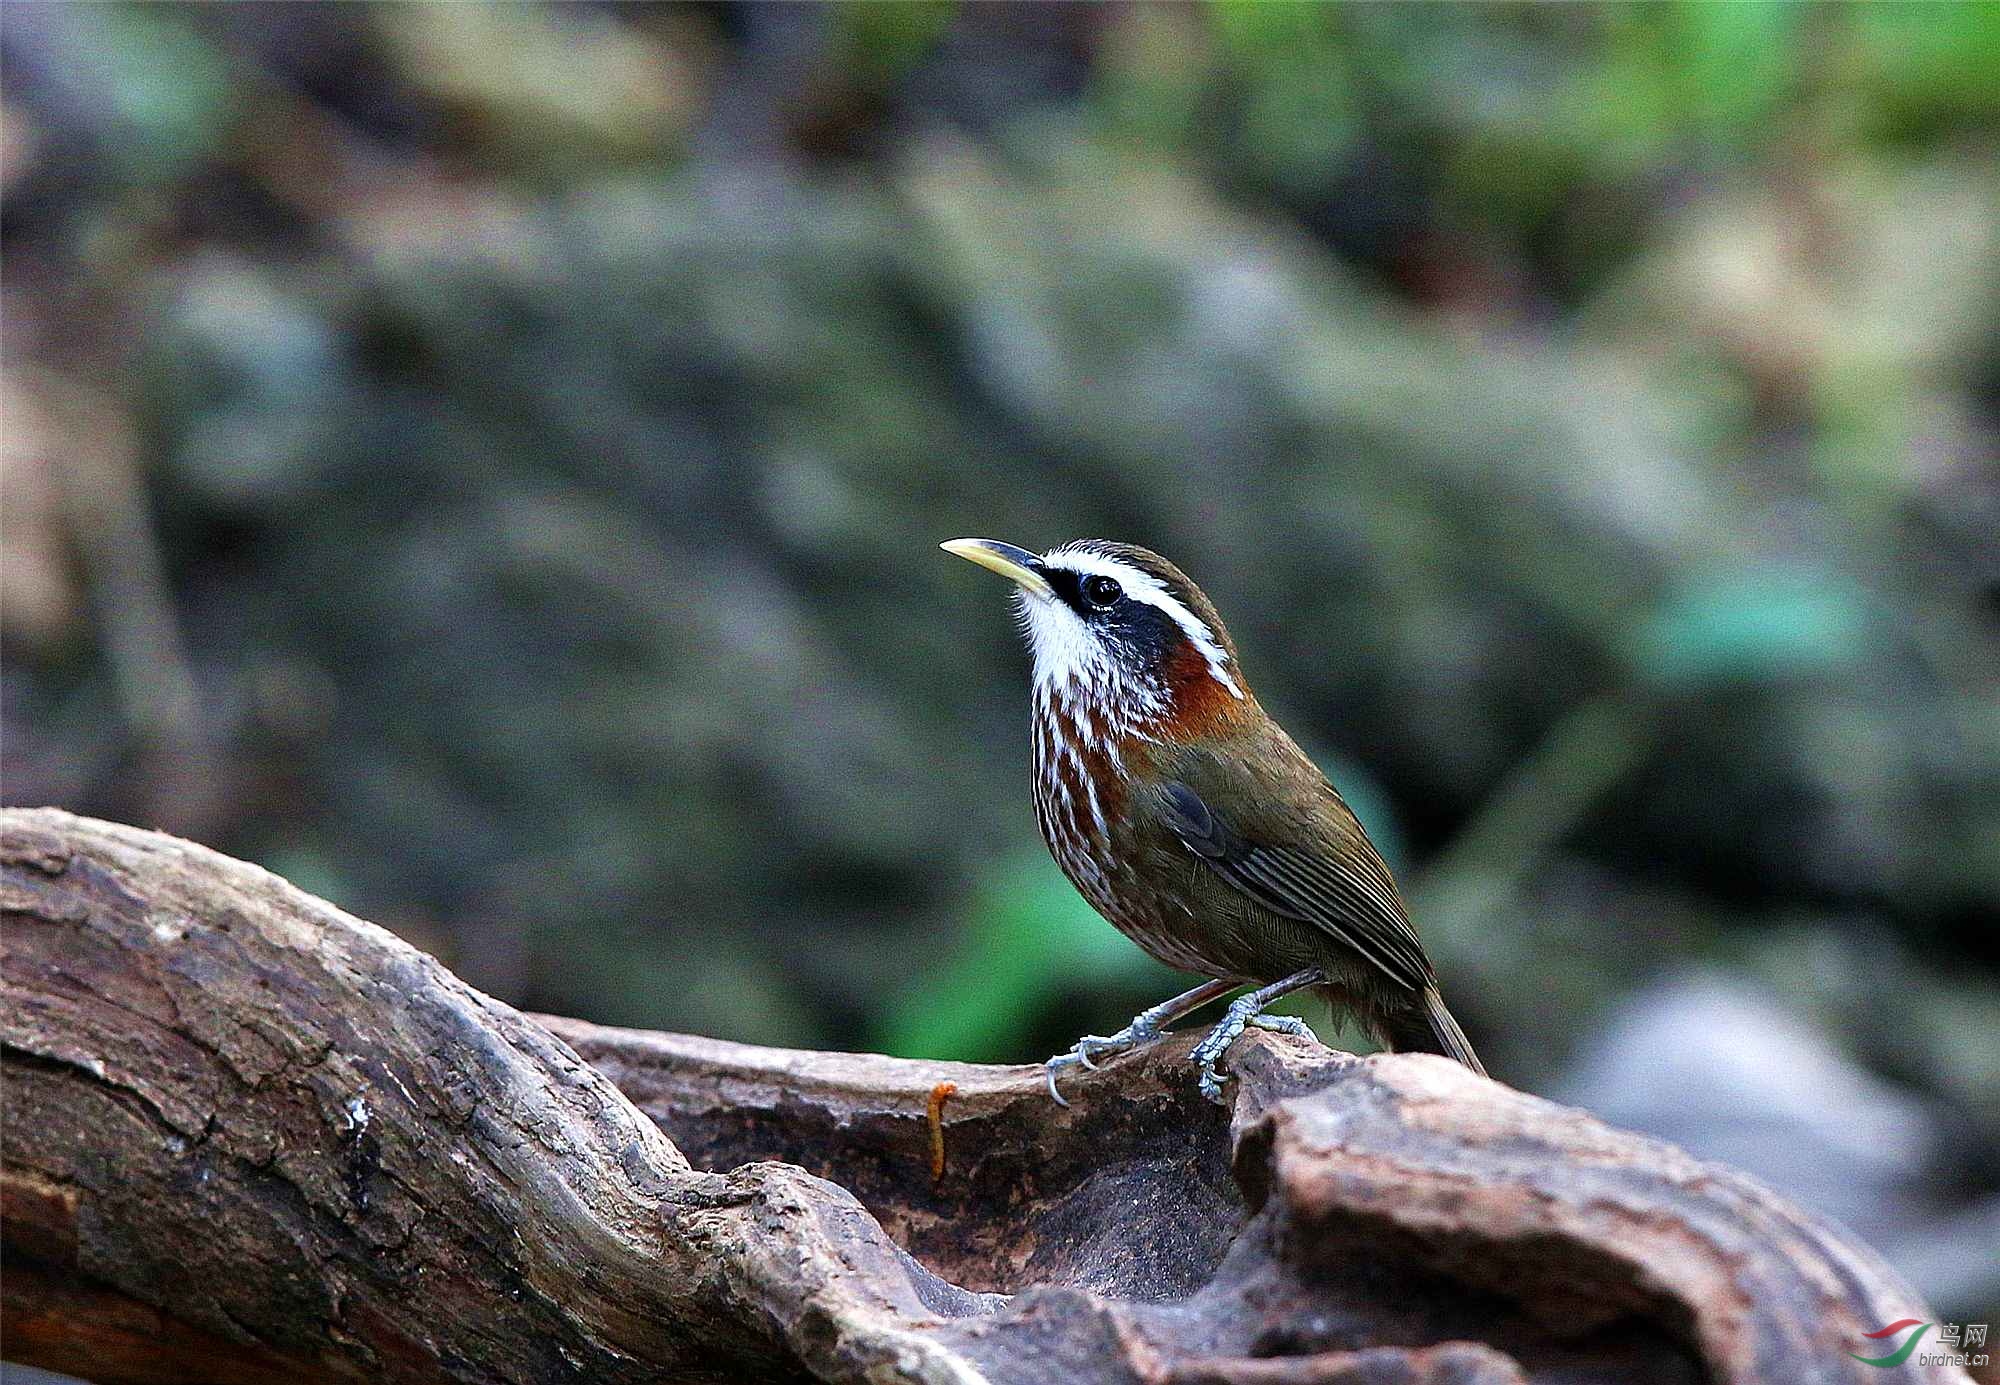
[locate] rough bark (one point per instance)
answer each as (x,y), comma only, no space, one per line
(250,1137)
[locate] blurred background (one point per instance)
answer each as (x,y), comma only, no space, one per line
(485,463)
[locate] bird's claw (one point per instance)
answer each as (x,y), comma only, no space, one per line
(1096,1046)
(1055,1067)
(1207,1055)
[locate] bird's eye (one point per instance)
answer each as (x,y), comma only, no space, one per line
(1101,591)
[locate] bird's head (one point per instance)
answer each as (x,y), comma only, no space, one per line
(1121,631)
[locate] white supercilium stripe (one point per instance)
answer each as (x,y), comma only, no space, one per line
(1142,586)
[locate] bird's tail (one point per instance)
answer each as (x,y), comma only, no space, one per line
(1429,1028)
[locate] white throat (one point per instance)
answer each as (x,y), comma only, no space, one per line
(1074,668)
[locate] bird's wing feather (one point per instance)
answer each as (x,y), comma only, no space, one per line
(1342,887)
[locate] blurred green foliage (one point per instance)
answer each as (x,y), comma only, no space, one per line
(1755,625)
(534,425)
(1028,937)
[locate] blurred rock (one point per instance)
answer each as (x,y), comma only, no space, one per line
(1730,1072)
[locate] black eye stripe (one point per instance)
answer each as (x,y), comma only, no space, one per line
(1093,593)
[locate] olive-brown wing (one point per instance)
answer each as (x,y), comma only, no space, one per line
(1313,864)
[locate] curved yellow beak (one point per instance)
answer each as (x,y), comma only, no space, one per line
(1016,564)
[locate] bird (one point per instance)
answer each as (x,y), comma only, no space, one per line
(1188,818)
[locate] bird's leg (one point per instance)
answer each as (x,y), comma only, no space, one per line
(1245,1011)
(1146,1026)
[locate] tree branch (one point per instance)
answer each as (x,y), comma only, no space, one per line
(252,1138)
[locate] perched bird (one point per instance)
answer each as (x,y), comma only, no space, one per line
(1191,821)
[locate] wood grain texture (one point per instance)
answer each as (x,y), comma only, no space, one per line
(250,1137)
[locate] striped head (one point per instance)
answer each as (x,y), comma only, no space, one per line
(1122,641)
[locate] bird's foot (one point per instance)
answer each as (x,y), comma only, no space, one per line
(1207,1055)
(1092,1046)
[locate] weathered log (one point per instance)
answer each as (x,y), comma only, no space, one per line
(252,1138)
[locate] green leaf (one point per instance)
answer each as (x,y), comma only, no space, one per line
(1734,63)
(1755,625)
(885,40)
(168,85)
(1031,936)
